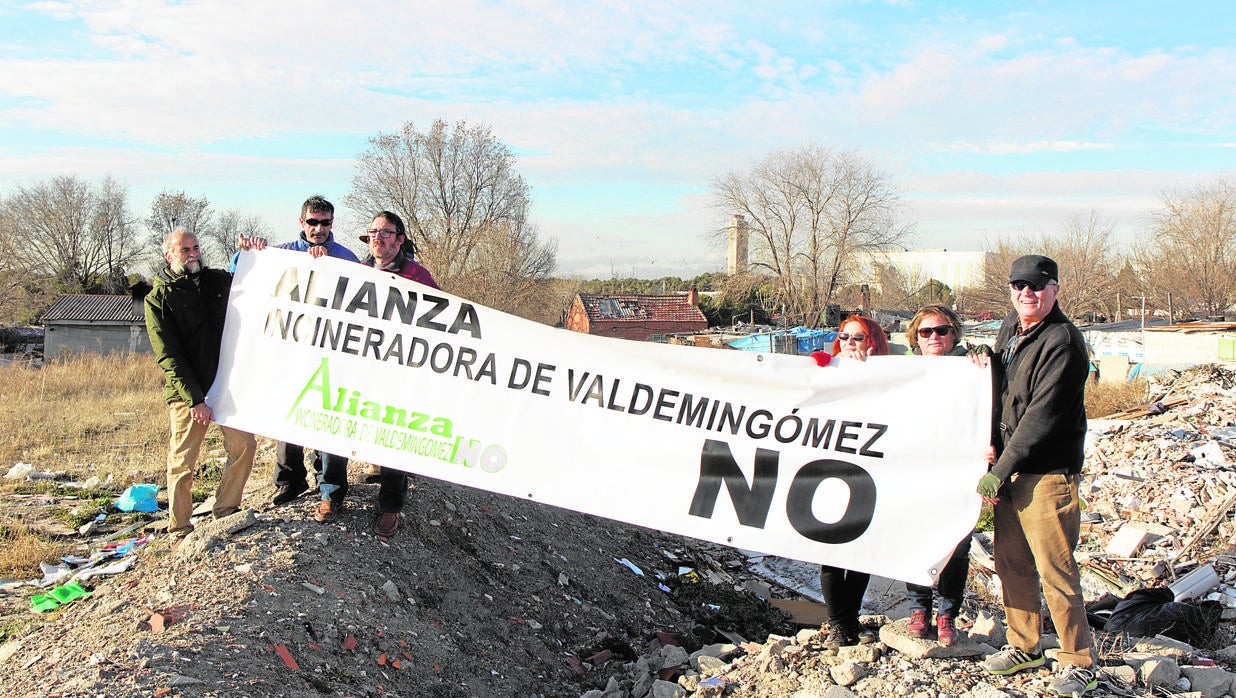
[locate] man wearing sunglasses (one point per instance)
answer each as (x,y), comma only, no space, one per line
(391,251)
(1041,364)
(317,216)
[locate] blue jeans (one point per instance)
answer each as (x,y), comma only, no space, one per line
(332,470)
(951,583)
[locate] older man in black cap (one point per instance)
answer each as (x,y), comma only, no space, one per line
(1042,366)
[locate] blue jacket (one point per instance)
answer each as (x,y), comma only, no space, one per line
(300,244)
(333,248)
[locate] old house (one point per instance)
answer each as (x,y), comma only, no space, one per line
(81,323)
(636,316)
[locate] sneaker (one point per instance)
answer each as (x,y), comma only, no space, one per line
(946,631)
(918,624)
(387,523)
(1072,681)
(839,636)
(327,511)
(1011,660)
(288,491)
(860,633)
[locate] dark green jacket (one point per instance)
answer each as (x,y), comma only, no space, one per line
(185,324)
(1041,397)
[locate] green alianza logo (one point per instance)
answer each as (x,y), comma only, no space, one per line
(344,411)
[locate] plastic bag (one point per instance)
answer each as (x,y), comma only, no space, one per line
(1150,612)
(138,498)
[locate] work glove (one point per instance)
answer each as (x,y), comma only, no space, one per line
(989,485)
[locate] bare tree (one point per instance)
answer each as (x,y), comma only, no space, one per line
(811,212)
(79,237)
(172,209)
(224,235)
(1191,250)
(1088,263)
(510,269)
(454,185)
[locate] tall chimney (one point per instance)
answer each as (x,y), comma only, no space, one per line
(693,297)
(736,262)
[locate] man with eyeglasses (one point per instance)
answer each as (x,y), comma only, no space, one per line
(1041,364)
(390,250)
(317,216)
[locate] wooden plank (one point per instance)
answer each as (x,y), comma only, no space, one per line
(802,611)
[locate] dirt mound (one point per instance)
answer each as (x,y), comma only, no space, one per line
(477,595)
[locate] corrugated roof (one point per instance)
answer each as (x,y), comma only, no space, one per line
(83,307)
(640,308)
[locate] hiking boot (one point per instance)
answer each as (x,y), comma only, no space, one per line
(1072,681)
(946,631)
(861,634)
(224,513)
(288,491)
(327,511)
(387,524)
(839,636)
(1011,660)
(919,623)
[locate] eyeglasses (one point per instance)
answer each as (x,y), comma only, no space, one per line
(845,336)
(384,234)
(319,221)
(1035,286)
(941,331)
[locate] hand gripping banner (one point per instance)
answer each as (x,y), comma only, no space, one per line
(865,465)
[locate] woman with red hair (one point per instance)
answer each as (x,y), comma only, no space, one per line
(843,590)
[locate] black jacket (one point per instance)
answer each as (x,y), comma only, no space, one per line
(185,324)
(1040,405)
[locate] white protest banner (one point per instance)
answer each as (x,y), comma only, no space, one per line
(869,466)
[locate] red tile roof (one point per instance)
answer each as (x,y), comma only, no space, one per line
(640,308)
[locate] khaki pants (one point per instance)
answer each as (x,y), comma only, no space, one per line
(182,451)
(1038,523)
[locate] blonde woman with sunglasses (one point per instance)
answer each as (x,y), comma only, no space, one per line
(936,331)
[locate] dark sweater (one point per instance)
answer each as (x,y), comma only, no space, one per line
(1041,411)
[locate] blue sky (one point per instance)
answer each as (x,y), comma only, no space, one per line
(991,118)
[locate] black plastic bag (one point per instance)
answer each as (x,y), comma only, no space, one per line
(1150,612)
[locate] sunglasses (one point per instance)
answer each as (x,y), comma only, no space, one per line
(1035,286)
(843,336)
(319,221)
(941,331)
(384,234)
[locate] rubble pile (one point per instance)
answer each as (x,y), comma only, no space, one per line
(1160,490)
(1159,494)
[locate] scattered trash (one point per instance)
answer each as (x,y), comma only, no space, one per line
(58,596)
(20,471)
(287,657)
(629,565)
(138,498)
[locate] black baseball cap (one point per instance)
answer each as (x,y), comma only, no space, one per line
(1034,268)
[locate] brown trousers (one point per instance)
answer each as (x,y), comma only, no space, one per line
(1038,523)
(182,451)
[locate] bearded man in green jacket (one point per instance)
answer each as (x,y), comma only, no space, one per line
(184,318)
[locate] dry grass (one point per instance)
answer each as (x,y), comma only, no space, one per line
(24,549)
(93,415)
(90,415)
(1103,399)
